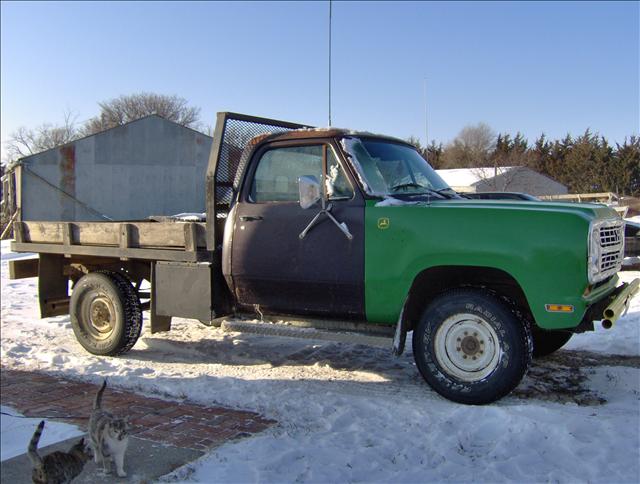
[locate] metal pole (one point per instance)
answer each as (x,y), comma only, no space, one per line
(426,117)
(330,5)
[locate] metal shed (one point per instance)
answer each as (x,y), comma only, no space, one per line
(150,166)
(504,178)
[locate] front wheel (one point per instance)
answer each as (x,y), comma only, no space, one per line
(471,347)
(106,314)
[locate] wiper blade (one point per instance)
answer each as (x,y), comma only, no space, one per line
(448,189)
(419,194)
(407,185)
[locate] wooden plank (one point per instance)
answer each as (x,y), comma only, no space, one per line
(125,236)
(190,237)
(141,234)
(18,231)
(97,233)
(47,232)
(67,235)
(115,252)
(23,268)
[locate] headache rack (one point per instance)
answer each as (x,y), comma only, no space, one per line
(227,161)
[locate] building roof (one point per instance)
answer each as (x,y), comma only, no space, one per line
(120,126)
(463,177)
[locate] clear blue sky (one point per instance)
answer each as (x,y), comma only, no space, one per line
(534,67)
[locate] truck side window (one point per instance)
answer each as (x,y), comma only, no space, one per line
(276,177)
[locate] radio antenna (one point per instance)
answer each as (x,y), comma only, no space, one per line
(426,116)
(330,5)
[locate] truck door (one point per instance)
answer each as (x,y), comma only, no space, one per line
(272,266)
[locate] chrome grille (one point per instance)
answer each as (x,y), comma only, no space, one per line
(612,244)
(610,236)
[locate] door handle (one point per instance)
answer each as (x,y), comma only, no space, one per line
(249,218)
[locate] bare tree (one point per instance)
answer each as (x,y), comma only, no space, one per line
(25,141)
(471,147)
(127,108)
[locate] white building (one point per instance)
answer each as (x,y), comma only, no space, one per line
(502,179)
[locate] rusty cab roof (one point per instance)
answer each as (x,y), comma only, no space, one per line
(316,133)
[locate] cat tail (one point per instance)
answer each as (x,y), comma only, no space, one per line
(97,403)
(32,451)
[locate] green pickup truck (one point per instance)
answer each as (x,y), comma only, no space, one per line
(352,229)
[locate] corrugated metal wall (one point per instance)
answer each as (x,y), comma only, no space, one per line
(147,167)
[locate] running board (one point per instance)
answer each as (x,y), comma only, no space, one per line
(291,331)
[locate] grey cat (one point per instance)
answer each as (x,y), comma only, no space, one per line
(57,467)
(108,435)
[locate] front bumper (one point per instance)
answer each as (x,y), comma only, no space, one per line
(611,308)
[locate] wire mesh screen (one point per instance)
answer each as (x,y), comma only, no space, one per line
(231,162)
(232,151)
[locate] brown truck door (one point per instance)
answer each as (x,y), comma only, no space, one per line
(319,274)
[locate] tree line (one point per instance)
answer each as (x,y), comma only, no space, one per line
(588,163)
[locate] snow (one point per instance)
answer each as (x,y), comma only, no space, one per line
(181,217)
(346,144)
(393,202)
(466,177)
(16,432)
(190,216)
(352,413)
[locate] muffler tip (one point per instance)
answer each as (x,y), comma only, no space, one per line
(607,324)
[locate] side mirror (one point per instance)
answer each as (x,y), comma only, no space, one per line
(309,188)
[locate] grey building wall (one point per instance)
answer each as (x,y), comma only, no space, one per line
(521,179)
(147,167)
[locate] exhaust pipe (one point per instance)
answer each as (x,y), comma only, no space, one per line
(620,304)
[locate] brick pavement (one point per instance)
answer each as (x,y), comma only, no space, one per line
(181,424)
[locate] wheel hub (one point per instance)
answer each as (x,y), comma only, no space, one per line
(467,347)
(471,346)
(99,316)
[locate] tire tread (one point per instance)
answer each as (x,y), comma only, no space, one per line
(132,311)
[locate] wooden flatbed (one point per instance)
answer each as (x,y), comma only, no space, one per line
(169,241)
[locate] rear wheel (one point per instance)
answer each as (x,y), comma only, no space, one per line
(106,315)
(547,342)
(471,347)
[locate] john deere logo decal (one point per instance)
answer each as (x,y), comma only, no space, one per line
(383,223)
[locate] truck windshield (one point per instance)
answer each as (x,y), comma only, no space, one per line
(389,168)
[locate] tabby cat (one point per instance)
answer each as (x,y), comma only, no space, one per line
(108,435)
(57,467)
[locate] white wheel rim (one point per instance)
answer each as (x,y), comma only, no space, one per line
(467,348)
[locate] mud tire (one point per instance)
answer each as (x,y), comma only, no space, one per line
(508,346)
(111,295)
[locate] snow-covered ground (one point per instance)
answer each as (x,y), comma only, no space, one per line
(16,432)
(352,413)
